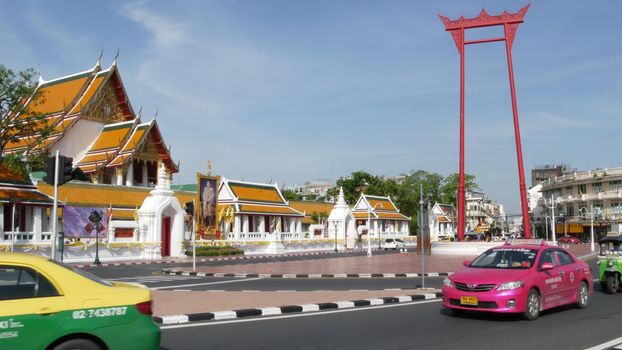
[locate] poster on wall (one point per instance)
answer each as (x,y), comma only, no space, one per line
(84,222)
(206,218)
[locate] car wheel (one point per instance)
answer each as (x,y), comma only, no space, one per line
(583,297)
(81,344)
(532,307)
(612,284)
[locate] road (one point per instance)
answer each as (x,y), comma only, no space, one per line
(423,325)
(420,325)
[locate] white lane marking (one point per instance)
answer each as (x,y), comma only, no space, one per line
(606,345)
(206,283)
(212,323)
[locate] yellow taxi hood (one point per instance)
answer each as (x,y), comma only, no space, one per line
(80,289)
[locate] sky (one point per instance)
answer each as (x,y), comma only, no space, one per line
(293,91)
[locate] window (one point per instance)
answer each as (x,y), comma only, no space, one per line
(582,189)
(569,210)
(616,207)
(615,185)
(568,191)
(564,258)
(597,187)
(23,283)
(547,257)
(598,210)
(82,273)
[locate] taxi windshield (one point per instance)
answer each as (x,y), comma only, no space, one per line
(83,273)
(506,258)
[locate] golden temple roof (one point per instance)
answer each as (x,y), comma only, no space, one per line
(67,100)
(256,192)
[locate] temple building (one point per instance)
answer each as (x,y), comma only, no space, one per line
(94,123)
(379,215)
(125,158)
(254,211)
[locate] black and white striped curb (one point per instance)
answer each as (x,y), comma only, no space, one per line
(182,261)
(587,257)
(271,311)
(303,275)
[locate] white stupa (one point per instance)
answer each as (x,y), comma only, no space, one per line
(341,222)
(161,221)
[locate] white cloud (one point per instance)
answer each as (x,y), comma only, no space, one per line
(557,121)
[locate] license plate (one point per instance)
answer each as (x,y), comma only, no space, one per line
(468,300)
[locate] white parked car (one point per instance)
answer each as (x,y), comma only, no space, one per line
(393,243)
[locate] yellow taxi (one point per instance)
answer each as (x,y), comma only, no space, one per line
(45,304)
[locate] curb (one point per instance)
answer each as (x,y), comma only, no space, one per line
(304,275)
(589,256)
(244,257)
(271,311)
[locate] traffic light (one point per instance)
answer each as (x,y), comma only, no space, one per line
(65,170)
(49,170)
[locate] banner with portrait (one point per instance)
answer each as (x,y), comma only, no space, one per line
(85,222)
(207,199)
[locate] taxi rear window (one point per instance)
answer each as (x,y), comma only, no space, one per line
(83,273)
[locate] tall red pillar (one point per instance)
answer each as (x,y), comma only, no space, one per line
(510,23)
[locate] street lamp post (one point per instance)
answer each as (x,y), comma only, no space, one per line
(422,239)
(368,230)
(552,205)
(591,212)
(335,225)
(14,202)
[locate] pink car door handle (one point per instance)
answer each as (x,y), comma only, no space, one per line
(561,273)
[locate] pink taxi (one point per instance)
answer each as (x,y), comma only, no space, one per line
(521,276)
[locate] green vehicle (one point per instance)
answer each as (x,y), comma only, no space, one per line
(610,263)
(49,306)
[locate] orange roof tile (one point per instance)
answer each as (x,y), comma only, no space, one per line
(92,89)
(24,195)
(10,176)
(309,207)
(256,193)
(383,204)
(105,195)
(392,216)
(112,136)
(57,95)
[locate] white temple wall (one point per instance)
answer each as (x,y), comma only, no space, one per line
(76,143)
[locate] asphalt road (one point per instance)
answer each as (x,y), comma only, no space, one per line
(423,325)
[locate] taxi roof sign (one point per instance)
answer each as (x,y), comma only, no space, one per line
(525,241)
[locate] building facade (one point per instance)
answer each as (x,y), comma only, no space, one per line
(378,217)
(255,211)
(582,201)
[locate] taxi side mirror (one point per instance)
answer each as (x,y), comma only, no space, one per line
(466,262)
(546,266)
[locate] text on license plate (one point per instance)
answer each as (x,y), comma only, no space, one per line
(468,300)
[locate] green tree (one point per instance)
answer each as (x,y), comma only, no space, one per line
(18,118)
(355,184)
(291,195)
(449,187)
